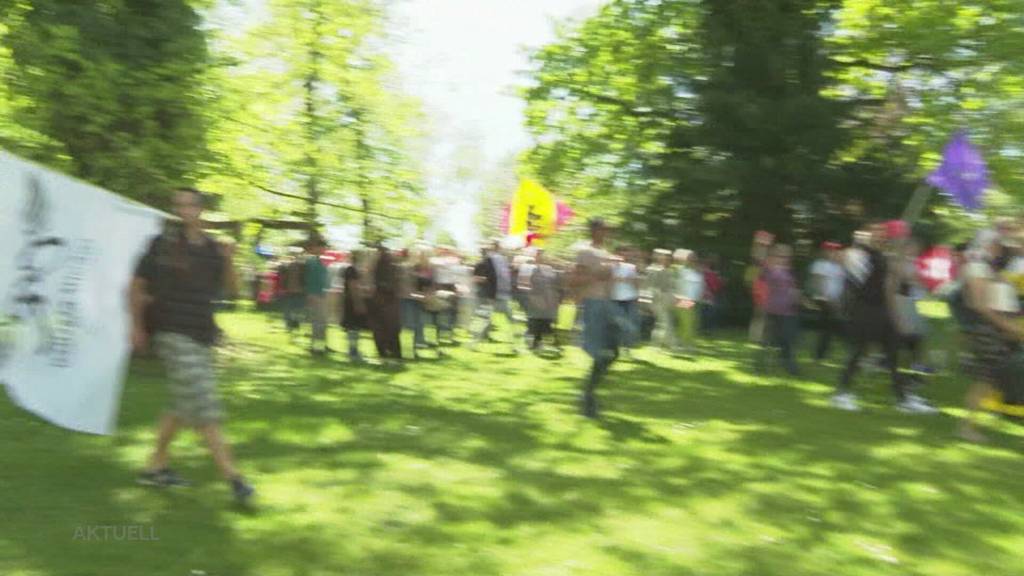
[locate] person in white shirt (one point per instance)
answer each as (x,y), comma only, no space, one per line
(689,291)
(445,266)
(542,299)
(661,277)
(626,294)
(525,268)
(828,281)
(465,295)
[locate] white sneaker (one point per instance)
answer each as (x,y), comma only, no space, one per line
(845,401)
(916,405)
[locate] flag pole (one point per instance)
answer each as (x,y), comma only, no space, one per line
(916,205)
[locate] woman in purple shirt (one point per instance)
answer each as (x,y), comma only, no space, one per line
(780,308)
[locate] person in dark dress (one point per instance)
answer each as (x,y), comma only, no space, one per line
(385,317)
(353,305)
(871,284)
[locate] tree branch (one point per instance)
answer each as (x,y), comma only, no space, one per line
(318,202)
(891,68)
(630,107)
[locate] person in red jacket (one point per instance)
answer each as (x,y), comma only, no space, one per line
(758,290)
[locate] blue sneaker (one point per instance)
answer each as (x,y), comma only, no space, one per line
(242,490)
(165,478)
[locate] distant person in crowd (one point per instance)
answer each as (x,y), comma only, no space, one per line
(910,323)
(354,314)
(291,274)
(953,292)
(661,276)
(714,288)
(592,281)
(648,319)
(758,253)
(781,308)
(253,280)
(494,280)
(316,283)
(522,274)
(689,292)
(991,324)
(1014,257)
(422,291)
(563,272)
(446,270)
(485,281)
(522,271)
(385,311)
(626,295)
(181,274)
(465,290)
(410,309)
(828,280)
(542,299)
(269,281)
(872,285)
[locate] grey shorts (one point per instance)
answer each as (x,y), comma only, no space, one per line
(191,383)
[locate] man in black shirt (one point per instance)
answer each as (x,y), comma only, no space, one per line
(180,276)
(871,288)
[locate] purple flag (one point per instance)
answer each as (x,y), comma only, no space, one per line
(963,174)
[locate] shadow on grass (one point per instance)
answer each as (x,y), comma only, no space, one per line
(59,484)
(489,455)
(776,434)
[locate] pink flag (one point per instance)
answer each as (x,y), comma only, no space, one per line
(564,214)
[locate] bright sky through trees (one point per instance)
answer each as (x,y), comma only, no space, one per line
(463,59)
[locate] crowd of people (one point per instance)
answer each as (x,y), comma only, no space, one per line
(440,291)
(866,294)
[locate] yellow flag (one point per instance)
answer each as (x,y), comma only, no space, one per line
(533,210)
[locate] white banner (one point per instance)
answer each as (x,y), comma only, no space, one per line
(67,254)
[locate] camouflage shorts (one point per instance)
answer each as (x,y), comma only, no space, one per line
(191,383)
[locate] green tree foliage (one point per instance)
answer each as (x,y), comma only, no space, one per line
(696,123)
(924,68)
(109,90)
(306,122)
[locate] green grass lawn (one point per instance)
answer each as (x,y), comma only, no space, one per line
(477,464)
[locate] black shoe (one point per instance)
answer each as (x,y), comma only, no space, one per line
(165,478)
(242,490)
